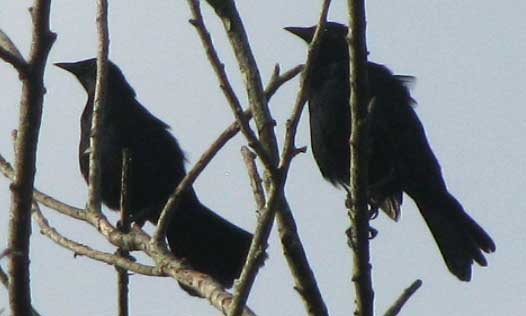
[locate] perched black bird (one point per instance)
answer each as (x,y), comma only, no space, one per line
(400,158)
(208,242)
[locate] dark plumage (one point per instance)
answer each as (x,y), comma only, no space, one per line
(401,159)
(209,243)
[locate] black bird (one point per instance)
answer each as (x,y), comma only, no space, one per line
(209,243)
(400,158)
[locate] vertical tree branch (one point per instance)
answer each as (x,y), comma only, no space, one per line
(25,155)
(100,96)
(124,227)
(358,212)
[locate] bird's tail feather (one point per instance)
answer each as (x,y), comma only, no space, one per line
(391,207)
(460,239)
(209,243)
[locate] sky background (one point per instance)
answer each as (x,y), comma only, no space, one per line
(468,57)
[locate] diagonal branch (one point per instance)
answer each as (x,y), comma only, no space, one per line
(292,124)
(10,54)
(255,179)
(276,81)
(228,91)
(233,25)
(83,250)
(241,119)
(44,199)
(256,254)
(404,297)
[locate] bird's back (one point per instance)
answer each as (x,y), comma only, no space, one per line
(157,161)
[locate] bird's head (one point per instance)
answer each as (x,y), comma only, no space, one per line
(86,73)
(333,44)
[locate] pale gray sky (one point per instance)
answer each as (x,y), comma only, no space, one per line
(469,60)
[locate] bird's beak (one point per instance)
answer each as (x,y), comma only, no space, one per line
(306,33)
(67,66)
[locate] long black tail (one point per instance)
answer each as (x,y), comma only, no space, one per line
(458,236)
(209,243)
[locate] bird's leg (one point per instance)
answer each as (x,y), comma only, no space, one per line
(139,218)
(373,210)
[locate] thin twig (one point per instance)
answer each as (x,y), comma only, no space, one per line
(94,199)
(124,227)
(83,250)
(7,44)
(25,157)
(256,254)
(255,179)
(404,297)
(10,54)
(235,31)
(225,85)
(44,199)
(277,79)
(358,201)
(292,123)
(304,278)
(241,119)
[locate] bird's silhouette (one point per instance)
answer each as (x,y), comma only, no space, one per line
(208,242)
(400,157)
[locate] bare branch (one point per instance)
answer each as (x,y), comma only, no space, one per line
(124,227)
(358,201)
(256,255)
(255,179)
(225,85)
(292,124)
(167,264)
(235,105)
(94,200)
(25,156)
(404,297)
(293,249)
(83,250)
(305,281)
(10,54)
(277,80)
(274,84)
(44,199)
(235,31)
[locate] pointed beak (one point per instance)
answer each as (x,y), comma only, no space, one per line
(305,33)
(67,66)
